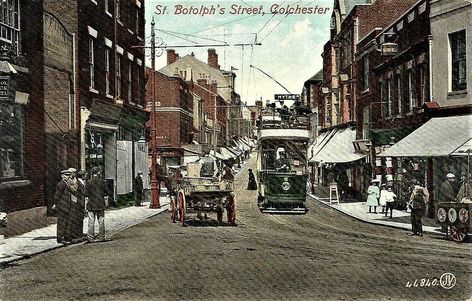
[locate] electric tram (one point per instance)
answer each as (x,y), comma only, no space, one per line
(282,161)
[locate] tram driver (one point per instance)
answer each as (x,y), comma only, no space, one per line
(282,163)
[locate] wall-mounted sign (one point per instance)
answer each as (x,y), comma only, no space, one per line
(389,48)
(7,89)
(287,96)
(58,49)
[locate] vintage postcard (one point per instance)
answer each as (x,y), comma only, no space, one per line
(235,150)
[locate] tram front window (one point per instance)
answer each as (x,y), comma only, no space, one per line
(282,162)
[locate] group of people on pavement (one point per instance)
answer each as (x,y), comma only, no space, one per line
(386,198)
(74,195)
(383,197)
(418,201)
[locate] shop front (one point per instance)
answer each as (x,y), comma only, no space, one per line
(334,159)
(440,146)
(100,126)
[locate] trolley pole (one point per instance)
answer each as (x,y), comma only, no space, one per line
(214,128)
(155,204)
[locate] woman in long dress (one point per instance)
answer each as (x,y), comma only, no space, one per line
(373,196)
(251,185)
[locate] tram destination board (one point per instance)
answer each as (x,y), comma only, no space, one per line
(286,96)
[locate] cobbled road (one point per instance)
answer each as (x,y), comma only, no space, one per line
(322,255)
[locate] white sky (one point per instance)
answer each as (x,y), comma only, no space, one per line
(290,51)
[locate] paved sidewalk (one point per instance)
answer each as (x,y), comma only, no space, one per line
(360,211)
(44,239)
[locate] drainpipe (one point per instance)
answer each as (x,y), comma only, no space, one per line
(430,59)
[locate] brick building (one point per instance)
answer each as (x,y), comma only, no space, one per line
(95,82)
(351,21)
(174,115)
(22,160)
(393,77)
(110,87)
(214,87)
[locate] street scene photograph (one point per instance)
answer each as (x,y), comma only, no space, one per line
(236,150)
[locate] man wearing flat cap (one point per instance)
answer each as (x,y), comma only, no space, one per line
(95,190)
(63,205)
(448,190)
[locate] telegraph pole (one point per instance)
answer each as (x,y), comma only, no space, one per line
(154,191)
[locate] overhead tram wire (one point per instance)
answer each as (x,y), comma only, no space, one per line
(178,37)
(190,35)
(226,23)
(273,15)
(286,15)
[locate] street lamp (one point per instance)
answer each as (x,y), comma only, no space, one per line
(142,144)
(155,204)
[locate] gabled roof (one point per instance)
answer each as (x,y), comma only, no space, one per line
(199,68)
(317,77)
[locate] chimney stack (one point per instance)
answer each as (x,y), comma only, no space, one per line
(171,56)
(213,58)
(214,85)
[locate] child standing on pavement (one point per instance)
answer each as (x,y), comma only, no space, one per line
(388,197)
(382,199)
(373,196)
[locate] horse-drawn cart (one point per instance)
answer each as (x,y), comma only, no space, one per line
(202,195)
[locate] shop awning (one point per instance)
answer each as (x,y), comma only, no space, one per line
(464,150)
(438,137)
(336,146)
(227,153)
(218,155)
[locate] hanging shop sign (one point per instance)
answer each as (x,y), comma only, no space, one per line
(286,96)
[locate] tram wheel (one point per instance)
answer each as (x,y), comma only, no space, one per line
(182,207)
(457,234)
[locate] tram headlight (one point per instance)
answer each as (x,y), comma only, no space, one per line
(452,215)
(463,215)
(285,186)
(442,215)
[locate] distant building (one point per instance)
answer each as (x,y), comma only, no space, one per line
(174,115)
(215,88)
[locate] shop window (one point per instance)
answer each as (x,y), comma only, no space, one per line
(390,96)
(118,75)
(11,141)
(411,91)
(130,81)
(366,72)
(10,23)
(399,94)
(423,84)
(118,10)
(107,71)
(94,150)
(92,62)
(458,72)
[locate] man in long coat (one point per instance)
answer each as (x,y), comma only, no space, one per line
(95,190)
(62,203)
(138,189)
(79,208)
(448,191)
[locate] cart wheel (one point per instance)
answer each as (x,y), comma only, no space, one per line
(457,234)
(231,210)
(182,207)
(173,210)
